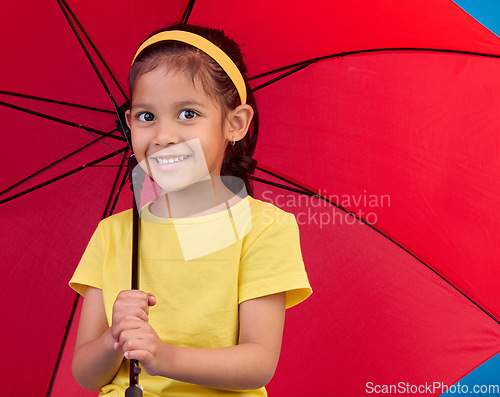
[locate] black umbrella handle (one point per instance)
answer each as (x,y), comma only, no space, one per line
(134,390)
(136,177)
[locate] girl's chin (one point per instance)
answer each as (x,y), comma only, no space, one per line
(179,184)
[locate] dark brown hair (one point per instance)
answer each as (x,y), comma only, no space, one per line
(238,160)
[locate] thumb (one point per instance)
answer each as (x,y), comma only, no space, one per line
(151,299)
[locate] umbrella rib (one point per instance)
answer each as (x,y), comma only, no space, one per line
(308,192)
(63,343)
(47,167)
(115,182)
(187,11)
(108,166)
(300,65)
(36,98)
(289,188)
(94,66)
(55,179)
(122,184)
(302,188)
(102,141)
(87,54)
(61,121)
(77,297)
(95,50)
(304,191)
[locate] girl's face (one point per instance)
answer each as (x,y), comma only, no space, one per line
(177,127)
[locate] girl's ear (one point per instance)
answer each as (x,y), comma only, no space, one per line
(238,122)
(128,118)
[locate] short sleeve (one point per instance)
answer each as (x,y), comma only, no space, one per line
(89,270)
(273,263)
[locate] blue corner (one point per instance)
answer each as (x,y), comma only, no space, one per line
(487,12)
(482,382)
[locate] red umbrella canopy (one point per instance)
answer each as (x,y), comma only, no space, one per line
(392,116)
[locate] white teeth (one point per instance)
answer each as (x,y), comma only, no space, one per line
(170,160)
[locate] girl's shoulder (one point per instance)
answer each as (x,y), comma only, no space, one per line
(118,217)
(268,216)
(116,223)
(264,209)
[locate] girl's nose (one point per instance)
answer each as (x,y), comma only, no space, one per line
(166,135)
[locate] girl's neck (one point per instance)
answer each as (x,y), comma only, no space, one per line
(206,197)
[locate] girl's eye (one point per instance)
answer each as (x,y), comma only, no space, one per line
(187,114)
(146,116)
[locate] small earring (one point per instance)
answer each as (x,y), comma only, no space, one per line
(234,141)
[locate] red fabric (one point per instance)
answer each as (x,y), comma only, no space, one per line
(418,127)
(400,151)
(377,314)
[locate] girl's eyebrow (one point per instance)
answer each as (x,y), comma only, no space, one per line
(139,105)
(177,104)
(189,103)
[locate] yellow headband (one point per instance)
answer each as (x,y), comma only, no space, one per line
(208,48)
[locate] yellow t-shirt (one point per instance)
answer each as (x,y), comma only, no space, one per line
(198,290)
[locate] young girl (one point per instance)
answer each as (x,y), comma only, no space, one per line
(217,269)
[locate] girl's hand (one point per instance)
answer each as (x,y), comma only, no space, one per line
(130,304)
(141,342)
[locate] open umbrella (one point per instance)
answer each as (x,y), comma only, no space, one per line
(386,109)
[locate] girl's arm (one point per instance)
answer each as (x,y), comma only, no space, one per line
(248,365)
(95,361)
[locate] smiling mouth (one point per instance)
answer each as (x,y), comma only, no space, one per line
(170,159)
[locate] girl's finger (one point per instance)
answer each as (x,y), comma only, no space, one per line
(131,311)
(139,355)
(151,299)
(132,354)
(129,323)
(135,298)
